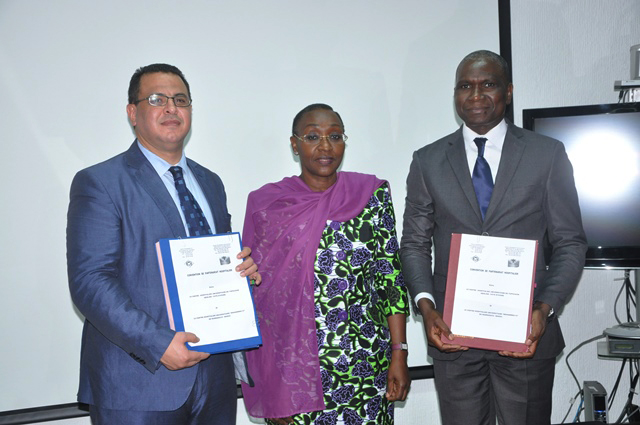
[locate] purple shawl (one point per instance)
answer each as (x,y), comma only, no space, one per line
(283,225)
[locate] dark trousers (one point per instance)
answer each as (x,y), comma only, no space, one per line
(480,385)
(212,401)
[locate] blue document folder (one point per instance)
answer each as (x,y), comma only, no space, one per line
(205,295)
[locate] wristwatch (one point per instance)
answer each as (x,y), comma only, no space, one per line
(402,346)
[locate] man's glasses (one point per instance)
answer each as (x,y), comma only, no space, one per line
(314,139)
(156,99)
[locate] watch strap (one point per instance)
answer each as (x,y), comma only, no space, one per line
(402,346)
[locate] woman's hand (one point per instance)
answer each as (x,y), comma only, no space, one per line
(398,381)
(248,267)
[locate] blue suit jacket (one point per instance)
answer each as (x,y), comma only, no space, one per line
(118,210)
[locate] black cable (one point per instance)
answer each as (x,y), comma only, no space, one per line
(629,297)
(634,381)
(573,401)
(582,344)
(631,413)
(615,386)
(615,304)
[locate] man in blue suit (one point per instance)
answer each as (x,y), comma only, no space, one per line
(134,368)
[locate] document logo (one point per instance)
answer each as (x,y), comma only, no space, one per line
(224,260)
(475,258)
(189,263)
(513,263)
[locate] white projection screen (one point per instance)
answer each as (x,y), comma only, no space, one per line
(386,66)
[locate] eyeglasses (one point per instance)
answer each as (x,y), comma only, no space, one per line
(156,99)
(314,139)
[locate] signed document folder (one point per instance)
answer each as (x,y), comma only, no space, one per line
(205,295)
(489,293)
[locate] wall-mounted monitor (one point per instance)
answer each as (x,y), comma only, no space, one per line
(603,144)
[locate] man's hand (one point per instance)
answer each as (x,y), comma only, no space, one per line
(539,317)
(248,267)
(177,356)
(434,327)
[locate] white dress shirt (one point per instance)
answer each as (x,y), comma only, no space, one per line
(492,152)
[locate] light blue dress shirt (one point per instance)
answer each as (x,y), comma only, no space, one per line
(162,168)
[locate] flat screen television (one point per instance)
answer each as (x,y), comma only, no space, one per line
(603,144)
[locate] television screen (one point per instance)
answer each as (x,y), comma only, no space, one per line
(603,144)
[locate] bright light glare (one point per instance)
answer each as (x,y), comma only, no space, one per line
(604,164)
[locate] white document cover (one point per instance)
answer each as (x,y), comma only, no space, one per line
(204,293)
(489,292)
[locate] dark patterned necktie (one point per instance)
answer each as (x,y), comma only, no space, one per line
(196,221)
(481,177)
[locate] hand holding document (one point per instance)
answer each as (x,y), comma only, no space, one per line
(204,293)
(490,291)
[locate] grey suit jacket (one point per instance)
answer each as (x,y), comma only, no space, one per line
(117,212)
(534,198)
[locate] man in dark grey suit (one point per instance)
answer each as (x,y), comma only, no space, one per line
(534,197)
(134,369)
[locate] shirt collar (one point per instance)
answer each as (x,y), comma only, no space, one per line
(495,136)
(160,165)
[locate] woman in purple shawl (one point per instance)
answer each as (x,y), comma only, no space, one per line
(332,305)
